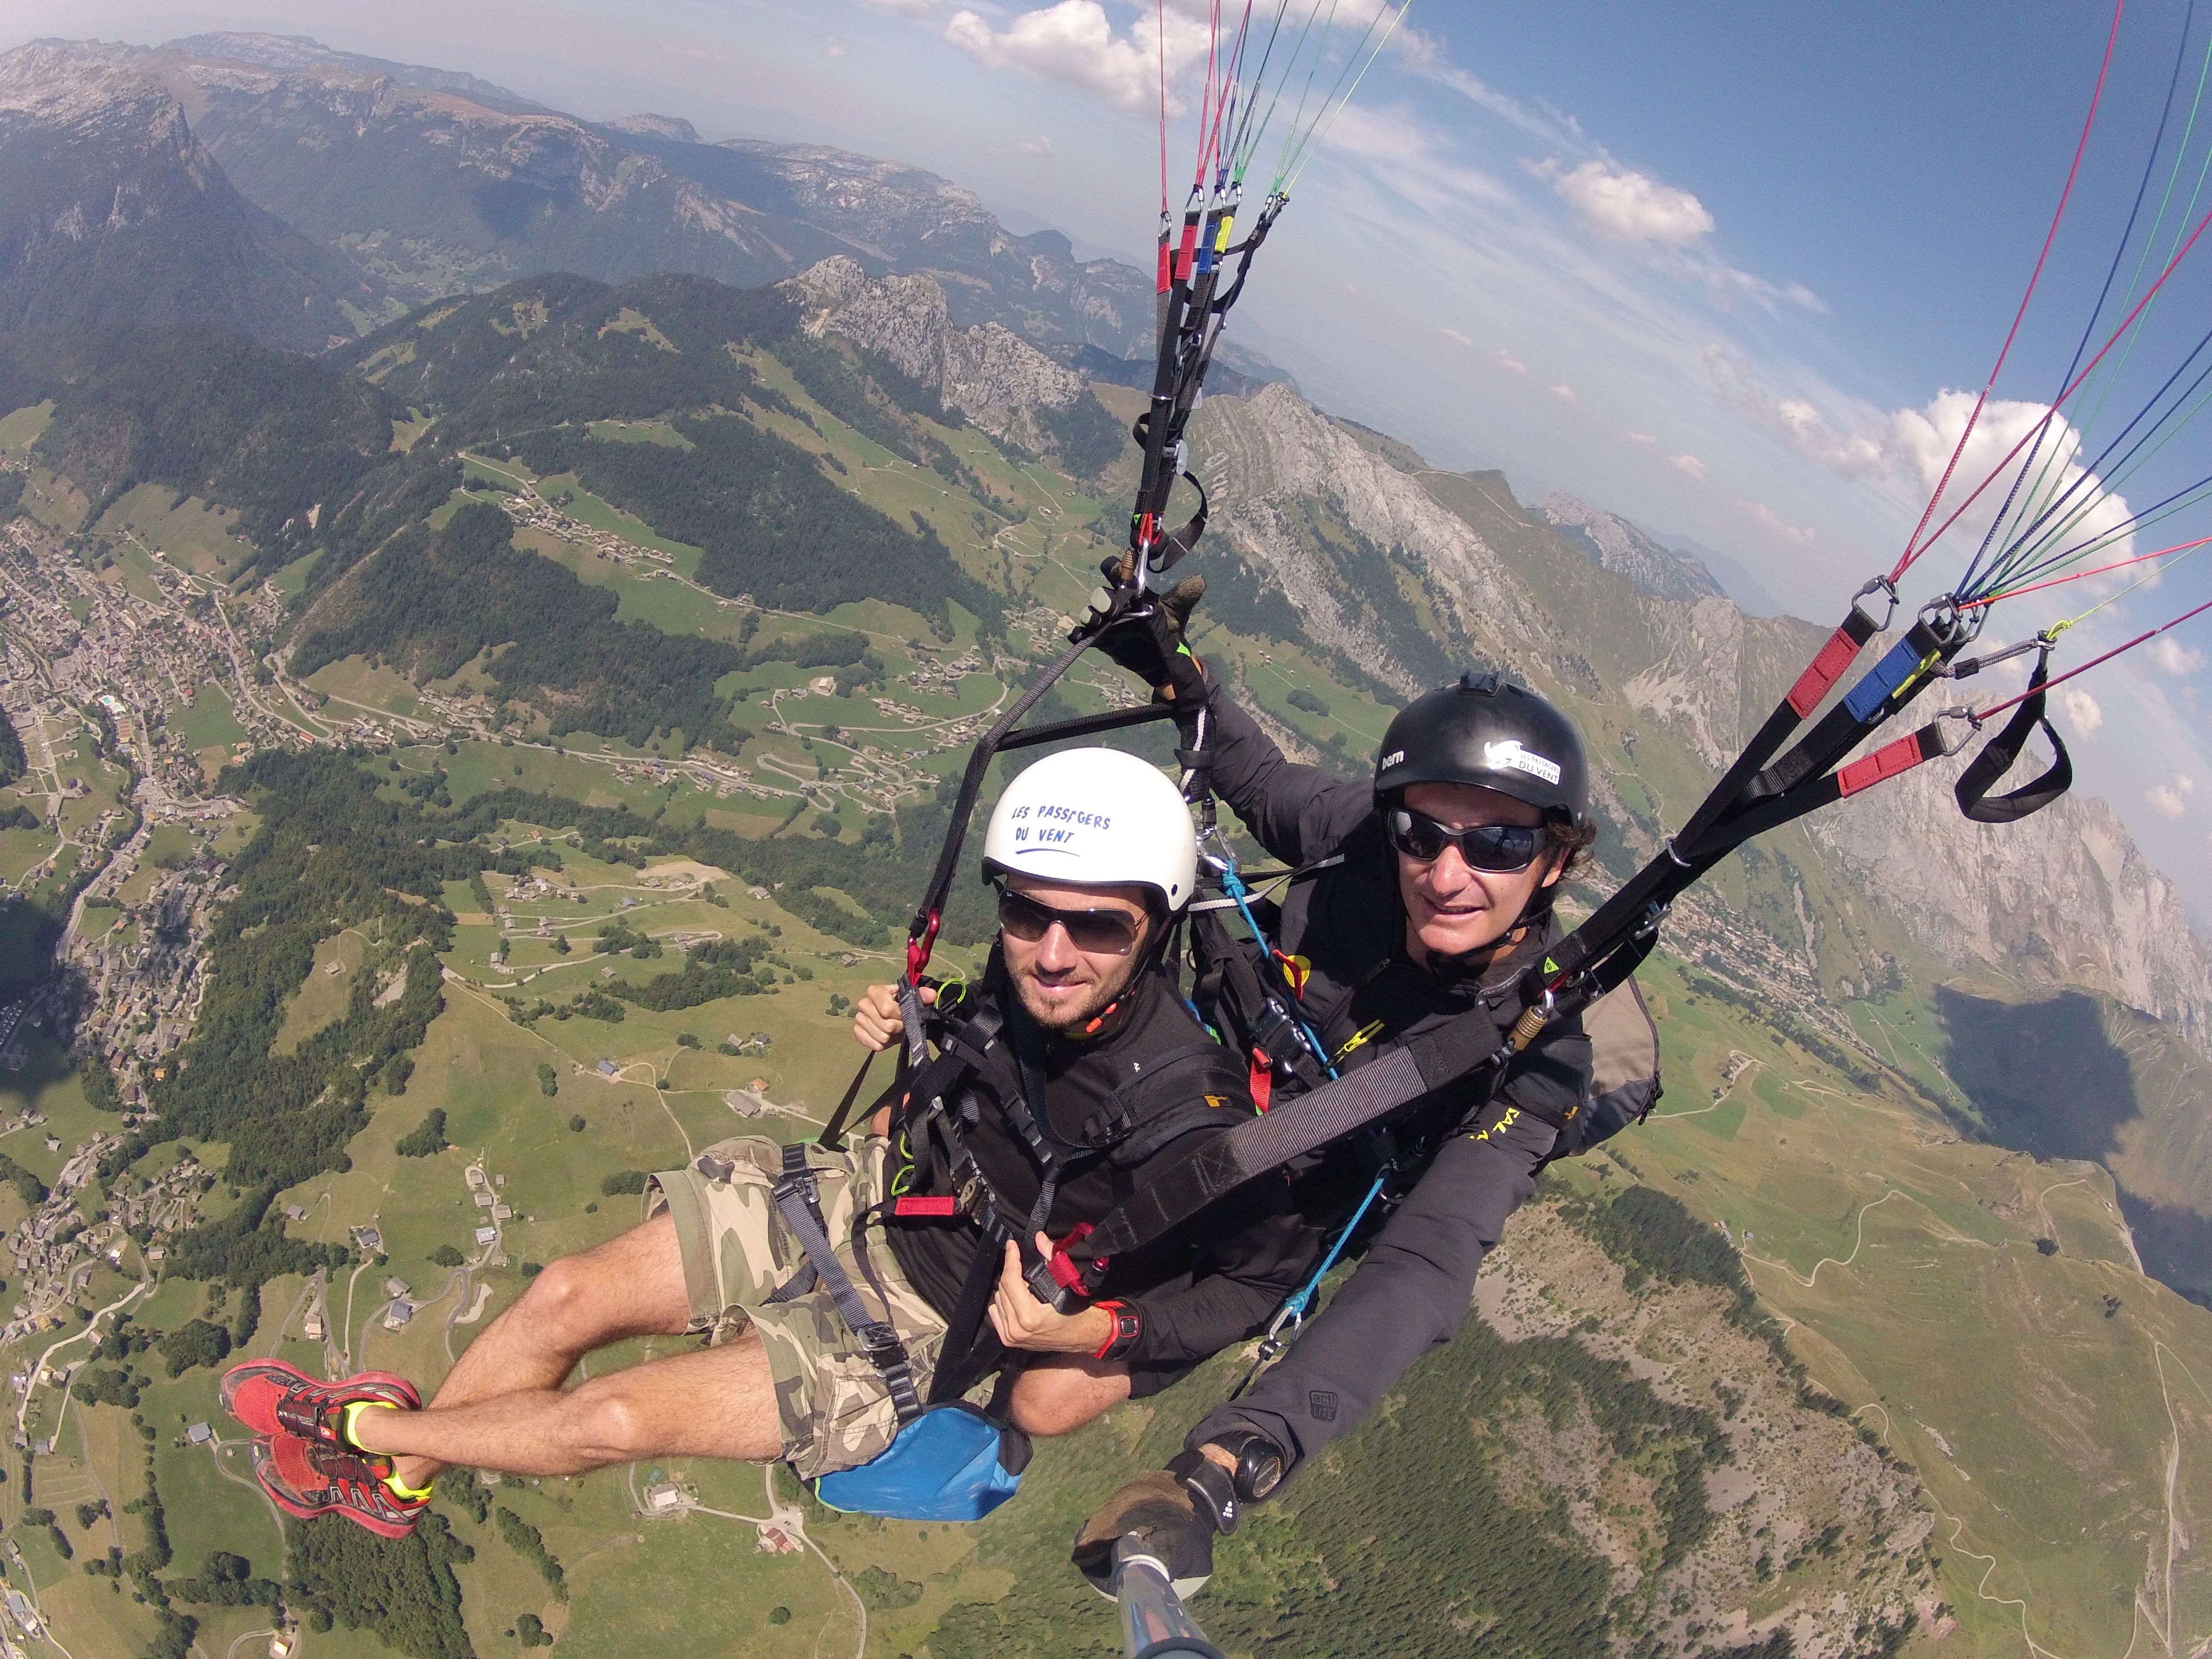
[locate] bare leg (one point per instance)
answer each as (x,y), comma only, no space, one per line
(631,1285)
(712,1402)
(1056,1396)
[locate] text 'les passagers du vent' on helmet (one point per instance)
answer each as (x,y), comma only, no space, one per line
(1095,818)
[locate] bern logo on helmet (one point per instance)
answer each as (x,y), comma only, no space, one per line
(1501,757)
(1390,760)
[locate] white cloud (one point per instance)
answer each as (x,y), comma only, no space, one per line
(1421,162)
(2082,711)
(1628,206)
(2178,659)
(1563,392)
(1773,521)
(1690,464)
(1642,440)
(1736,380)
(1920,442)
(1424,55)
(1853,456)
(1040,145)
(1074,44)
(2171,800)
(904,7)
(1512,362)
(1457,337)
(832,47)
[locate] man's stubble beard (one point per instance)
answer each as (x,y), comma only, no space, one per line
(1058,1018)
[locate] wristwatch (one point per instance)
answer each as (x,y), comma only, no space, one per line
(1127,1327)
(1220,1495)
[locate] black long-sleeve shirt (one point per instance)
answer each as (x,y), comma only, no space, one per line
(1216,1282)
(1414,1285)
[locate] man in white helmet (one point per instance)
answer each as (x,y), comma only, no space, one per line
(1074,1062)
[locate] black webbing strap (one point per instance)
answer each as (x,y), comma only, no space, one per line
(1218,1164)
(833,1132)
(798,1199)
(1998,755)
(967,1322)
(1899,676)
(1829,665)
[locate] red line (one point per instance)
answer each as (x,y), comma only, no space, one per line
(2061,679)
(2072,386)
(1162,21)
(2037,587)
(1914,548)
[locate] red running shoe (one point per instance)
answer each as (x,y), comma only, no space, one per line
(308,1479)
(272,1398)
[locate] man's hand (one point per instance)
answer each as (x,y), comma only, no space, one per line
(1023,1321)
(1156,1509)
(1153,649)
(877,1022)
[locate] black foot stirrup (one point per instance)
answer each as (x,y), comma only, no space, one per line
(1998,755)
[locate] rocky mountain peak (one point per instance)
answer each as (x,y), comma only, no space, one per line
(59,84)
(1615,544)
(115,212)
(673,127)
(991,376)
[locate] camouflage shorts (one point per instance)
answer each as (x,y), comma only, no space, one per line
(835,1411)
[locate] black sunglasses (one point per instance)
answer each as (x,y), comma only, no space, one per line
(1101,932)
(1497,848)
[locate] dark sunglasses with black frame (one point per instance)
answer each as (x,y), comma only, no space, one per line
(1099,932)
(1500,849)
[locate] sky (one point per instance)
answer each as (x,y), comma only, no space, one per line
(1736,271)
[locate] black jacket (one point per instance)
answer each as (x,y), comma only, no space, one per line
(1348,924)
(1416,1279)
(1216,1283)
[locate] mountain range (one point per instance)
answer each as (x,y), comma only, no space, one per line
(617,448)
(416,182)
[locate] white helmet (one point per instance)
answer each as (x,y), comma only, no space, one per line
(1093,817)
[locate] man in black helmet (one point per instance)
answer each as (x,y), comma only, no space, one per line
(1419,898)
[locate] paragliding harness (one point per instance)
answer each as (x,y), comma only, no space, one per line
(1759,792)
(950,1460)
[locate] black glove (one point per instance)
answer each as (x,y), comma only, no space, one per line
(1158,1510)
(1152,646)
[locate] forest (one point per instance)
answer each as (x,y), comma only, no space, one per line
(767,519)
(205,412)
(431,601)
(328,853)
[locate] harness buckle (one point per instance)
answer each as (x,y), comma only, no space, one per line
(881,1345)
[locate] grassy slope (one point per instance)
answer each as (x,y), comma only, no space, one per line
(1947,1275)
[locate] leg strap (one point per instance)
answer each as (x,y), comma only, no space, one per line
(798,1199)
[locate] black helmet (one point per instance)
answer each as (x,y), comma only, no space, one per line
(1488,732)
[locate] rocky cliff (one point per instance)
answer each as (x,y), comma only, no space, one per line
(111,211)
(1408,573)
(987,373)
(1615,544)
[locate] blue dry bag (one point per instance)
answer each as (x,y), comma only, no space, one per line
(950,1463)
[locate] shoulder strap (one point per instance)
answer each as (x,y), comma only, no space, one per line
(1468,1046)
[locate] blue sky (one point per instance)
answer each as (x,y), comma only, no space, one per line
(1712,266)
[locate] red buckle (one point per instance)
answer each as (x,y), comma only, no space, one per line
(1061,1266)
(917,950)
(1262,1081)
